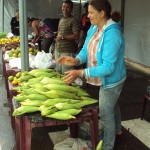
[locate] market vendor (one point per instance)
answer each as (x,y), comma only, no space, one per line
(15,24)
(41,31)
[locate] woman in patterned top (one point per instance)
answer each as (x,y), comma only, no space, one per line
(41,31)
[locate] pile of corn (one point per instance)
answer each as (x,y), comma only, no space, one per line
(46,92)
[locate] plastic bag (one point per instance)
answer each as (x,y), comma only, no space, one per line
(42,60)
(72,144)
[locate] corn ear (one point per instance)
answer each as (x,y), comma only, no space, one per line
(47,80)
(66,88)
(60,116)
(24,109)
(20,97)
(60,94)
(64,106)
(42,107)
(32,72)
(99,146)
(29,91)
(72,112)
(37,97)
(45,74)
(25,78)
(29,102)
(51,102)
(49,111)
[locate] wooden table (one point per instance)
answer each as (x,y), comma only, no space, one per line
(27,122)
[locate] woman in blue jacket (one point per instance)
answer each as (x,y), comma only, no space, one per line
(103,52)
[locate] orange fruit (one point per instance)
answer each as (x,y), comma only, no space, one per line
(15,82)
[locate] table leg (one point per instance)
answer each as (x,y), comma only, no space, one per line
(19,133)
(73,130)
(27,133)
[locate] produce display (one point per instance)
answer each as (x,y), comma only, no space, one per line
(17,52)
(43,90)
(4,41)
(9,46)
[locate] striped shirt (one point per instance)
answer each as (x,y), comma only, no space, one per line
(67,26)
(45,31)
(92,47)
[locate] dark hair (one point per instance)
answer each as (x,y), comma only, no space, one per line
(31,19)
(106,7)
(68,2)
(116,16)
(85,5)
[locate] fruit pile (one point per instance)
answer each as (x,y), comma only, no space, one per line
(15,79)
(4,41)
(17,52)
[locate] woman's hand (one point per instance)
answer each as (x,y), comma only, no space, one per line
(68,60)
(72,75)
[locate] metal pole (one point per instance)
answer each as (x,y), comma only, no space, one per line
(26,37)
(122,13)
(2,16)
(23,35)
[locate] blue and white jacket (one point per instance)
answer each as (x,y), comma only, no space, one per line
(110,55)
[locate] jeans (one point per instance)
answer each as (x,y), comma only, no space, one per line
(109,112)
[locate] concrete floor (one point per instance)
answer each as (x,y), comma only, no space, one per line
(7,137)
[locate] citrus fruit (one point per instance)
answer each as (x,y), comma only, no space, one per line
(11,78)
(15,82)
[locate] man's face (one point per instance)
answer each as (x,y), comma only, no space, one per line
(66,9)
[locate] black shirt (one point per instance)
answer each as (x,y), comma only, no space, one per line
(15,26)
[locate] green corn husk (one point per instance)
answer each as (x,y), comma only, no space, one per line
(74,101)
(66,88)
(35,80)
(29,91)
(18,89)
(29,102)
(47,80)
(37,97)
(88,98)
(60,94)
(43,107)
(60,116)
(87,101)
(64,106)
(20,97)
(24,109)
(49,111)
(25,78)
(39,86)
(32,72)
(45,74)
(72,112)
(100,145)
(83,93)
(52,102)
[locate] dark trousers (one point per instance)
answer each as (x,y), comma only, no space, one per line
(46,43)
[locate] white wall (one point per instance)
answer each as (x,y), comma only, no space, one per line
(137,31)
(136,23)
(37,9)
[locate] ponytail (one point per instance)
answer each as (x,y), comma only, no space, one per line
(116,16)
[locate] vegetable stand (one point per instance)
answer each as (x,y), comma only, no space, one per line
(27,122)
